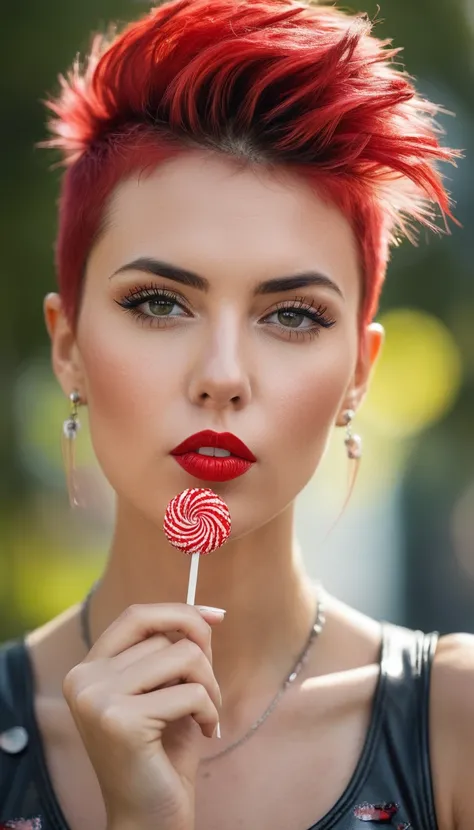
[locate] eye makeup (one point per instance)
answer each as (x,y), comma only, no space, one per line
(159,307)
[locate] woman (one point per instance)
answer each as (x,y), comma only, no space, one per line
(235,176)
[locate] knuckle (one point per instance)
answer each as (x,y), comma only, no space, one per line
(161,641)
(87,701)
(72,682)
(111,719)
(194,654)
(133,612)
(201,696)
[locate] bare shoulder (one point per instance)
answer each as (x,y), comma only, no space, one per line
(452,730)
(452,685)
(54,648)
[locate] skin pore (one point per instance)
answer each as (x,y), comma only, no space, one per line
(231,356)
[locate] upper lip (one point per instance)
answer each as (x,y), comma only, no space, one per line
(221,440)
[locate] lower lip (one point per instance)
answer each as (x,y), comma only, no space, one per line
(212,468)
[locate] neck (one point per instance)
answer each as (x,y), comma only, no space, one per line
(259,580)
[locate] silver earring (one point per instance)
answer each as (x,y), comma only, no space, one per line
(353,442)
(71,427)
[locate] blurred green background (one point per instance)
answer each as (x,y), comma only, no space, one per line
(405,548)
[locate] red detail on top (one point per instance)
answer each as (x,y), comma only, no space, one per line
(376,812)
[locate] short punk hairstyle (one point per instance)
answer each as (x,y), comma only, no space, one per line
(279,83)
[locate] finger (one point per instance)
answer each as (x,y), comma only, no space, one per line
(152,645)
(146,649)
(183,661)
(138,622)
(177,702)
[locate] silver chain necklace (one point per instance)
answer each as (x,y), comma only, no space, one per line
(316,629)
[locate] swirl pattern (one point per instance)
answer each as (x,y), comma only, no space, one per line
(197,521)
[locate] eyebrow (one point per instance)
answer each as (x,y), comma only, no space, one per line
(159,268)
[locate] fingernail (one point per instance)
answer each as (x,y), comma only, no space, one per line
(220,612)
(217,731)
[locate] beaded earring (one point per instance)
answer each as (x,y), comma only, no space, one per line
(71,427)
(353,442)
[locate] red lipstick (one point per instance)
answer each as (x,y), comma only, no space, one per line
(222,456)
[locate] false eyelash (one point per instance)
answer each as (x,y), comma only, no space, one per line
(140,294)
(316,313)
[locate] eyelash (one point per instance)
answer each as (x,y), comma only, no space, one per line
(142,294)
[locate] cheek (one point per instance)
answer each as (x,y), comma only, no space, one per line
(129,380)
(308,397)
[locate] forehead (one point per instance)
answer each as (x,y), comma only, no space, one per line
(204,209)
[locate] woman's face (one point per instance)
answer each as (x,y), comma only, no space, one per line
(261,343)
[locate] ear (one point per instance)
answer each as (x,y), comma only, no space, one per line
(65,355)
(371,343)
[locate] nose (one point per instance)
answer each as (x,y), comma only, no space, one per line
(219,378)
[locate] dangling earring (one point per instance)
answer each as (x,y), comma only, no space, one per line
(353,442)
(71,427)
(353,445)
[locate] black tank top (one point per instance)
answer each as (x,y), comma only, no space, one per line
(391,785)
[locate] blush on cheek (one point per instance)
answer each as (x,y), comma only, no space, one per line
(127,368)
(316,396)
(306,412)
(128,387)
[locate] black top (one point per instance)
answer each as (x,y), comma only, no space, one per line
(391,785)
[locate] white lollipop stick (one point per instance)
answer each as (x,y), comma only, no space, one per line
(197,518)
(193,576)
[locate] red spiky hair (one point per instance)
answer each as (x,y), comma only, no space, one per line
(275,82)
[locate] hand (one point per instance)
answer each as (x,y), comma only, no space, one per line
(139,700)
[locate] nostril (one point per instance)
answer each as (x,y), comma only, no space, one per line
(205,396)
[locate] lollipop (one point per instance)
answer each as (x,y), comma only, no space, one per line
(197,521)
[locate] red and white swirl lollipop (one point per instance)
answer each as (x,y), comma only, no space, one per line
(197,521)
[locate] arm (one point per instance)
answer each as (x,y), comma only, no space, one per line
(452,731)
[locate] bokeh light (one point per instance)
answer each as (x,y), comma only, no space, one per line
(419,374)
